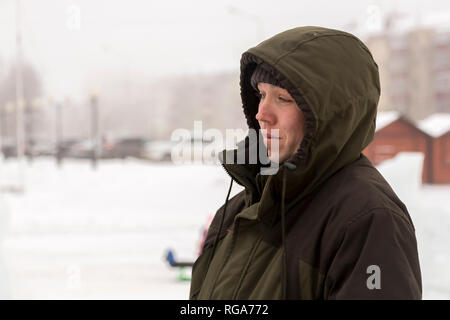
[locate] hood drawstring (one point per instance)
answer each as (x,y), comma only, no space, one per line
(216,240)
(291,167)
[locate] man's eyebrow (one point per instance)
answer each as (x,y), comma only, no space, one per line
(278,90)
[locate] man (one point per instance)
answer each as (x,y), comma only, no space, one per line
(326,225)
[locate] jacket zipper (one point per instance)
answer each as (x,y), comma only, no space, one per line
(231,176)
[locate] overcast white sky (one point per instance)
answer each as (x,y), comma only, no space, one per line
(153,38)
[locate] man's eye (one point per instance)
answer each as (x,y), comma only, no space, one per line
(261,95)
(284,100)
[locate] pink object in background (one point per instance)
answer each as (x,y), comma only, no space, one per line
(205,232)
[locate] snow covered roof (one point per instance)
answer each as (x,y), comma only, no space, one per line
(436,125)
(385,118)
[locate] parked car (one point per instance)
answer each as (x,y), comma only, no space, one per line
(80,149)
(124,147)
(188,150)
(8,148)
(158,150)
(43,148)
(66,145)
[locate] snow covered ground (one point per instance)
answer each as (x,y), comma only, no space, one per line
(80,233)
(77,233)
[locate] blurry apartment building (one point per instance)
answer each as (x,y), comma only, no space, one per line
(414,66)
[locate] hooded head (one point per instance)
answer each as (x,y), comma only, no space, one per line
(334,80)
(279,117)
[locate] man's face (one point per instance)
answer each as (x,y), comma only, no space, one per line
(278,110)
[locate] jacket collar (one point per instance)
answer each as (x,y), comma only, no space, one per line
(261,187)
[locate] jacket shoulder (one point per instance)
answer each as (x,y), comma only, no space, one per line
(359,188)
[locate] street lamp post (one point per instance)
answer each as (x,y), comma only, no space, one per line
(31,110)
(259,22)
(2,128)
(8,110)
(58,133)
(94,129)
(20,146)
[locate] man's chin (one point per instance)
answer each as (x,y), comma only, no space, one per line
(275,157)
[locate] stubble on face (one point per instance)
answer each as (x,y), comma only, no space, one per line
(281,121)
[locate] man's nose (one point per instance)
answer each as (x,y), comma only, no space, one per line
(265,112)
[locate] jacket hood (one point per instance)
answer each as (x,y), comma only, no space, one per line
(334,79)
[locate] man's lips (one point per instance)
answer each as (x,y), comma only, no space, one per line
(271,137)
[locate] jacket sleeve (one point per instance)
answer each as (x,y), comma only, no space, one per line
(377,259)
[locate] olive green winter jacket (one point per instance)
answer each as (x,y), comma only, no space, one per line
(327,225)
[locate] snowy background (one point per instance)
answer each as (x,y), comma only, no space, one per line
(78,233)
